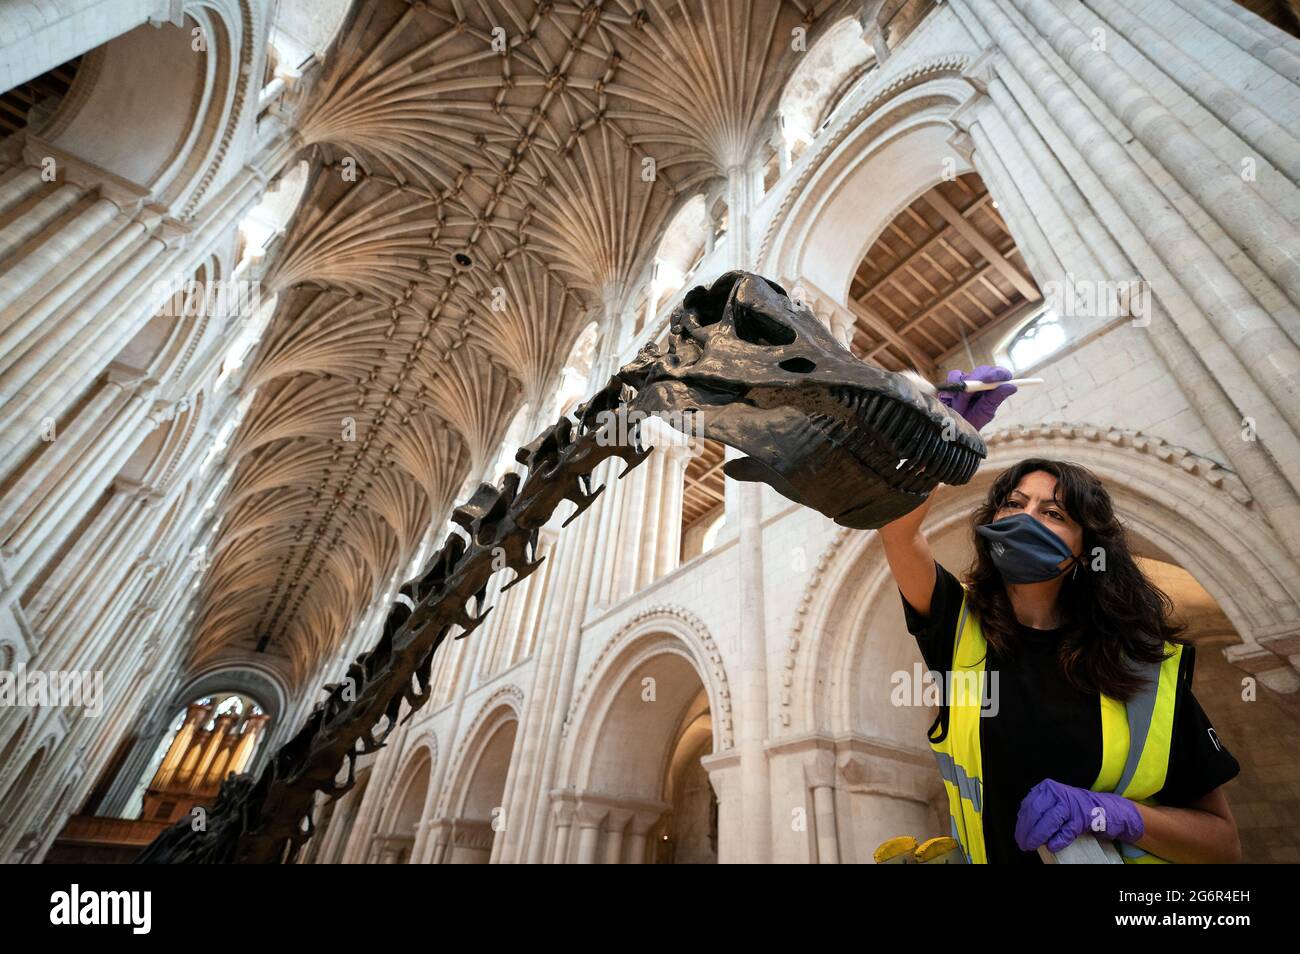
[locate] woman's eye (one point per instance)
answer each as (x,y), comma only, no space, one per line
(1056,514)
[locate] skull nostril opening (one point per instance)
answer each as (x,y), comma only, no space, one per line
(798,365)
(760,329)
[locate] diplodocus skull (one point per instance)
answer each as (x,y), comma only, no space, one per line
(859,444)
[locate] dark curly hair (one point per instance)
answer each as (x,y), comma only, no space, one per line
(1110,616)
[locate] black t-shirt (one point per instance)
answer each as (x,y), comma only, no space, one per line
(1045,728)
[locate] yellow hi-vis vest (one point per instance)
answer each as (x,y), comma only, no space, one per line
(1134,771)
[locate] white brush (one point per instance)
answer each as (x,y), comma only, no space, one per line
(929,387)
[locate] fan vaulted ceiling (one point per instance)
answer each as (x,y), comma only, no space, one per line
(470,210)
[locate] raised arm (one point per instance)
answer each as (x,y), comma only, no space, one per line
(909,556)
(906,548)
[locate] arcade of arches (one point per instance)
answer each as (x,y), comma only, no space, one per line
(282,282)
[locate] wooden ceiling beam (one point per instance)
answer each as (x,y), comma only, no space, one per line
(888,335)
(929,243)
(975,237)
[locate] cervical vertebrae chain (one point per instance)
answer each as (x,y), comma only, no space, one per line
(822,427)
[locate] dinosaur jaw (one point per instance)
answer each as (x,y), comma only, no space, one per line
(750,368)
(859,457)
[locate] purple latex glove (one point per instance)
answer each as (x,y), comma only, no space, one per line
(978,407)
(1055,814)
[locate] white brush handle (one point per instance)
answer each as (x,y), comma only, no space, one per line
(972,386)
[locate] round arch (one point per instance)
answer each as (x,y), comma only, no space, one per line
(895,144)
(666,632)
(400,821)
(150,86)
(1179,508)
(471,769)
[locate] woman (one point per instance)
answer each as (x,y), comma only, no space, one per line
(1076,655)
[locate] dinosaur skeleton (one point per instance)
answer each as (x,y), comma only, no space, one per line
(858,444)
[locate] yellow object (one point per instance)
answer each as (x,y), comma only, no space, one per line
(1148,718)
(896,851)
(941,850)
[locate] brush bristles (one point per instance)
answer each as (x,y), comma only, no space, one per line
(922,384)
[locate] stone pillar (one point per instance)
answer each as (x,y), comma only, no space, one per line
(1265,352)
(439,841)
(1251,125)
(843,326)
(629,528)
(30,547)
(642,821)
(60,453)
(652,516)
(724,775)
(563,812)
(615,824)
(752,690)
(1010,130)
(677,455)
(589,818)
(819,772)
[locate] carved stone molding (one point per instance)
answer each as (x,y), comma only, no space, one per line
(711,655)
(933,68)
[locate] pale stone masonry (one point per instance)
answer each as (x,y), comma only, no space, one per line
(190,517)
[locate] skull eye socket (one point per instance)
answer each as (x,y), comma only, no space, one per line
(760,329)
(798,365)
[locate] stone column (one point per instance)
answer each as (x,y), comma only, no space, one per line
(589,818)
(615,826)
(819,771)
(559,641)
(562,815)
(629,529)
(652,517)
(1266,353)
(604,548)
(61,452)
(752,694)
(1251,125)
(440,830)
(843,326)
(642,822)
(31,544)
(1010,130)
(676,457)
(1250,33)
(1244,213)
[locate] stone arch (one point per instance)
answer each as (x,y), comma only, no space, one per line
(263,684)
(398,829)
(895,143)
(633,768)
(1180,508)
(152,112)
(16,791)
(838,59)
(478,776)
(670,622)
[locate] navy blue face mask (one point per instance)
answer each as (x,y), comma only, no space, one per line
(1023,550)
